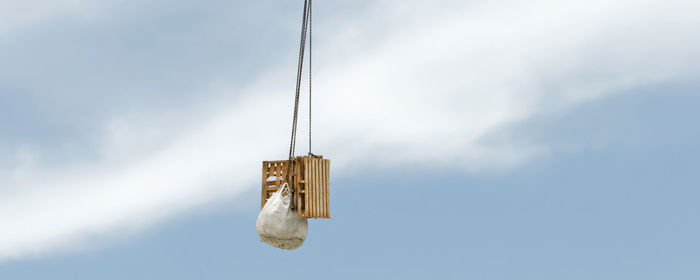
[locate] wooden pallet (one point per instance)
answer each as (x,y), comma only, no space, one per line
(310,182)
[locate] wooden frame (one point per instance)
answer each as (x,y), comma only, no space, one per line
(309,186)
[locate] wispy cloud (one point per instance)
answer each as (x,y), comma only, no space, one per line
(403,82)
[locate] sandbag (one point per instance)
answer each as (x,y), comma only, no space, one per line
(278,225)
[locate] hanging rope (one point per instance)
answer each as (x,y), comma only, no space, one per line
(311,32)
(305,26)
(305,23)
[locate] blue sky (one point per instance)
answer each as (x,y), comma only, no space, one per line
(469,140)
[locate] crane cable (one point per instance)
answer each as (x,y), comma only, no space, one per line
(311,29)
(306,25)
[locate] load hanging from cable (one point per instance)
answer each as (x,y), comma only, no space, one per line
(296,188)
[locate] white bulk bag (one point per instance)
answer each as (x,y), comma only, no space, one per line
(278,225)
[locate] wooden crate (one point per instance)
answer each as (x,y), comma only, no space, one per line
(274,175)
(309,183)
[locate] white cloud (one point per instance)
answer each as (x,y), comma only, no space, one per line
(407,82)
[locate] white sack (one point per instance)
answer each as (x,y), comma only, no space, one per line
(278,225)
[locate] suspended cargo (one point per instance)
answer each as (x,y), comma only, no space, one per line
(308,178)
(278,225)
(297,188)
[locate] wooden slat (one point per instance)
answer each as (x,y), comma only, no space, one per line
(277,174)
(321,202)
(309,191)
(317,184)
(298,187)
(324,181)
(309,187)
(328,189)
(314,192)
(301,171)
(294,173)
(324,190)
(263,195)
(317,176)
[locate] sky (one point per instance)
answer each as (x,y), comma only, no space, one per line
(468,139)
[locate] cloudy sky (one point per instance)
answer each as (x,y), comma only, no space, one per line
(469,139)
